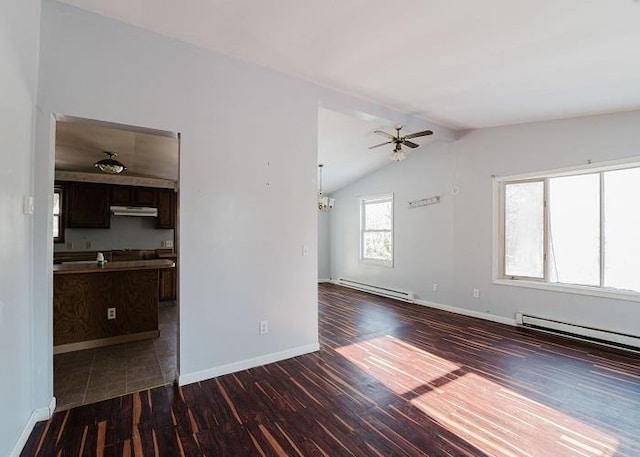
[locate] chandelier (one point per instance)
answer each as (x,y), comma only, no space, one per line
(324,203)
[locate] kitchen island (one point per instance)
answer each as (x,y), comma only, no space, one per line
(99,305)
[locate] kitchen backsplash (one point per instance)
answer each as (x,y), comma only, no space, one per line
(125,233)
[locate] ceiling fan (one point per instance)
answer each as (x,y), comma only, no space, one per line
(398,154)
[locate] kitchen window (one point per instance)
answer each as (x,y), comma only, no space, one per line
(58,227)
(576,230)
(376,230)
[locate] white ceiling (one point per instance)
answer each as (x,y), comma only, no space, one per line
(464,64)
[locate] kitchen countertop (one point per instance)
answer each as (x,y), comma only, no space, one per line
(154,264)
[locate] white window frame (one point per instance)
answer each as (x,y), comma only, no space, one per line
(362,202)
(499,276)
(61,226)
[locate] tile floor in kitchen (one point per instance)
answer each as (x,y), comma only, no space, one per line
(93,375)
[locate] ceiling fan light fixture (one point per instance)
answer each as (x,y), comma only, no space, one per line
(111,165)
(398,154)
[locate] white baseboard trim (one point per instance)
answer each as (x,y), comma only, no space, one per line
(40,414)
(466,312)
(323,280)
(214,372)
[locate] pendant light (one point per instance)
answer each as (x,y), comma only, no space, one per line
(111,165)
(324,203)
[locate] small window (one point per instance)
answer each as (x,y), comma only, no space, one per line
(58,228)
(376,230)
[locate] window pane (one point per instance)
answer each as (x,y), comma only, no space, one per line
(574,229)
(377,216)
(56,226)
(56,203)
(622,229)
(524,229)
(377,245)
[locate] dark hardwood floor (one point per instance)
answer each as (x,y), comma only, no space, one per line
(390,379)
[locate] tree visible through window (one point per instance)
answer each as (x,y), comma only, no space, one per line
(376,229)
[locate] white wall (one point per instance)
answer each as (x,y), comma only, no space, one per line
(238,215)
(422,236)
(324,245)
(529,148)
(451,243)
(19,31)
(125,233)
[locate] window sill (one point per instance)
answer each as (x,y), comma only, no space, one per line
(377,263)
(571,289)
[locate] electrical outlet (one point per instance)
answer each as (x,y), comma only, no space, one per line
(264,327)
(168,244)
(435,287)
(111,313)
(69,244)
(89,245)
(476,293)
(305,250)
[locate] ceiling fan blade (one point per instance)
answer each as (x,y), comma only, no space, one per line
(385,134)
(411,144)
(381,144)
(417,134)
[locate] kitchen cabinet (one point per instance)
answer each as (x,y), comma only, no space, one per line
(133,196)
(88,205)
(168,284)
(83,294)
(166,209)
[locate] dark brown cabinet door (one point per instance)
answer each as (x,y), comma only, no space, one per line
(133,196)
(168,284)
(88,205)
(166,209)
(137,295)
(121,195)
(144,196)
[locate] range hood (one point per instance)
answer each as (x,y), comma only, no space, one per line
(139,211)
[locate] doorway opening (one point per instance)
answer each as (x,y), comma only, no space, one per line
(116,256)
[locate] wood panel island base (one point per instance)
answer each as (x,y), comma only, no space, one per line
(84,293)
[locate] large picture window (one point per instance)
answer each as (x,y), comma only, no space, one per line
(376,229)
(576,228)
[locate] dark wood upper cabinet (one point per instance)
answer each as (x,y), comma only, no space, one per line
(121,195)
(166,209)
(133,196)
(145,196)
(88,205)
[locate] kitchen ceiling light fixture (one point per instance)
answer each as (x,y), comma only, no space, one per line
(324,203)
(111,165)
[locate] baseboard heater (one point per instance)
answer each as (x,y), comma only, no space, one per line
(384,291)
(605,337)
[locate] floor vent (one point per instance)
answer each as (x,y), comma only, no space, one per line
(606,337)
(383,291)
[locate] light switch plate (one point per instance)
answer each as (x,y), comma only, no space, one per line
(27,205)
